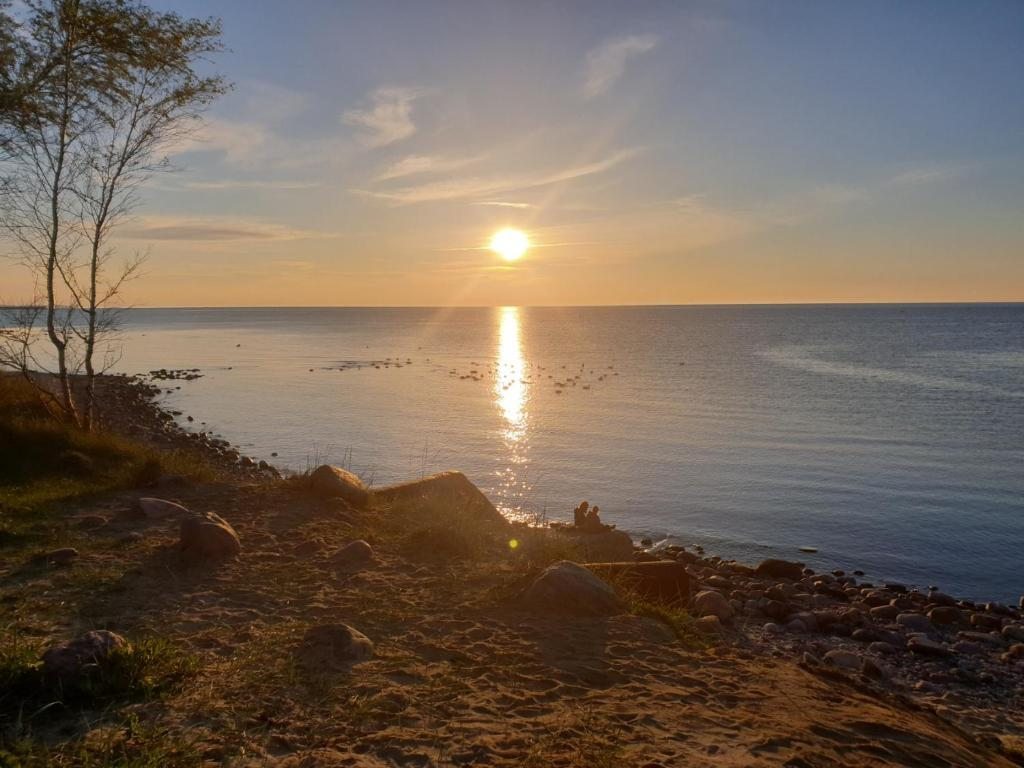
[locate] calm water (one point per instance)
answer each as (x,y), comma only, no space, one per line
(891,438)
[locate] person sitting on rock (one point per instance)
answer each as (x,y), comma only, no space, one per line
(592,522)
(580,514)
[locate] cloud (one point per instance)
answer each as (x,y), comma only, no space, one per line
(215,229)
(282,184)
(412,165)
(388,120)
(454,189)
(918,176)
(504,204)
(607,62)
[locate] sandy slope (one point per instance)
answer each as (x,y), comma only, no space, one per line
(461,676)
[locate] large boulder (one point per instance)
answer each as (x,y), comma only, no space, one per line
(353,557)
(70,660)
(570,588)
(447,487)
(208,536)
(335,482)
(780,569)
(332,647)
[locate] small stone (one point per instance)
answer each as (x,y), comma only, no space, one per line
(1014,632)
(871,668)
(91,522)
(353,557)
(843,659)
(708,625)
(940,598)
(882,648)
(709,603)
(208,536)
(1014,653)
(69,660)
(926,647)
(780,569)
(944,615)
(333,646)
(157,509)
(967,648)
(915,622)
(60,557)
(884,612)
(984,621)
(132,537)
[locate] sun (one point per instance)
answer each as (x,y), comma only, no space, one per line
(510,244)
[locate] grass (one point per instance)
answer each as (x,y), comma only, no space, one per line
(45,462)
(146,670)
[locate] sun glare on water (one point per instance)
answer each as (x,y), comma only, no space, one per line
(510,244)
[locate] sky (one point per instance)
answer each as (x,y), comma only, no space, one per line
(653,152)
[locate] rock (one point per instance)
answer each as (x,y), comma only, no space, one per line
(843,659)
(335,482)
(309,548)
(925,647)
(132,537)
(967,648)
(776,609)
(708,625)
(91,522)
(772,628)
(157,509)
(710,603)
(1014,653)
(1014,632)
(940,598)
(882,648)
(68,661)
(60,557)
(780,569)
(985,638)
(809,620)
(984,621)
(566,587)
(452,488)
(915,622)
(884,612)
(208,536)
(353,557)
(944,615)
(871,668)
(332,647)
(600,546)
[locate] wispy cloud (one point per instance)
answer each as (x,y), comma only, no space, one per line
(216,229)
(455,189)
(504,204)
(927,175)
(227,184)
(412,165)
(607,62)
(389,117)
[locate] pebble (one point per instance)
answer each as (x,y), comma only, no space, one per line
(915,622)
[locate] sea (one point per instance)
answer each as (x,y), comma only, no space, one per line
(885,438)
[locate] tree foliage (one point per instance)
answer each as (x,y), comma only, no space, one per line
(93,93)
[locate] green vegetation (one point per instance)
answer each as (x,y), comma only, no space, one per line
(30,702)
(44,461)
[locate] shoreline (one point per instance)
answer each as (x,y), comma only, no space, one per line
(162,421)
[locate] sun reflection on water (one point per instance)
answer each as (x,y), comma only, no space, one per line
(512,395)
